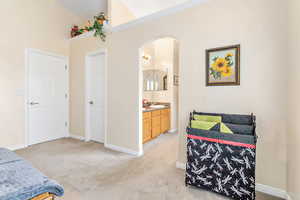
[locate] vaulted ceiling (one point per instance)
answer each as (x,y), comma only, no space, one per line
(139,8)
(85,8)
(142,8)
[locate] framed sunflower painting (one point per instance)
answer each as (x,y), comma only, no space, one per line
(223,66)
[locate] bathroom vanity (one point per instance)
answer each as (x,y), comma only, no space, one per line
(156,121)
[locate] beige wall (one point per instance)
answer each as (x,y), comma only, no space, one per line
(36,24)
(119,13)
(294,96)
(259,26)
(79,49)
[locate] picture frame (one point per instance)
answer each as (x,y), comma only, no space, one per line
(223,66)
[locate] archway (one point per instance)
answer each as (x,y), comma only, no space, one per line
(159,89)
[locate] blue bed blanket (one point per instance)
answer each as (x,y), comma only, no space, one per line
(20,181)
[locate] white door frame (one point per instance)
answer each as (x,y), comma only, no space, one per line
(87,94)
(28,51)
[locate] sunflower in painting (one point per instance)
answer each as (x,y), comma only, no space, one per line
(219,65)
(222,67)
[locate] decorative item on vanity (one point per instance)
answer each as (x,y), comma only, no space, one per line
(221,154)
(97,26)
(145,103)
(223,66)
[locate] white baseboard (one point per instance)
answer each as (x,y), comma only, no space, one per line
(172,131)
(180,165)
(77,137)
(17,147)
(288,197)
(123,150)
(276,192)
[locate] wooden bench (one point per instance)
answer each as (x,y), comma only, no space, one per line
(45,196)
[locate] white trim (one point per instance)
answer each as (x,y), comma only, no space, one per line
(140,102)
(31,50)
(180,165)
(147,18)
(87,110)
(77,137)
(83,35)
(26,95)
(276,192)
(288,197)
(68,96)
(17,147)
(173,131)
(123,150)
(26,114)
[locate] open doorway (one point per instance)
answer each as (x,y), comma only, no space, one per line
(159,66)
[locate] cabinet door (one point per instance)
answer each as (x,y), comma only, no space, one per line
(165,121)
(168,121)
(156,124)
(147,130)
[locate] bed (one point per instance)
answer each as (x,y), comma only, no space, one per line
(19,180)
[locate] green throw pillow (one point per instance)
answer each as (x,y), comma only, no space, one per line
(208,118)
(203,124)
(225,129)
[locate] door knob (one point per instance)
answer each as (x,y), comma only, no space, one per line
(91,103)
(33,103)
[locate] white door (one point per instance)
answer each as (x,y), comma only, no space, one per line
(47,100)
(96,96)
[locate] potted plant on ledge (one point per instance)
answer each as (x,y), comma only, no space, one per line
(97,26)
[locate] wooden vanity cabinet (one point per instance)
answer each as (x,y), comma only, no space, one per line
(147,127)
(155,123)
(165,121)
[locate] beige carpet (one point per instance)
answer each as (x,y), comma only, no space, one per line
(88,171)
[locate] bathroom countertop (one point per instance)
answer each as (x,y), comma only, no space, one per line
(153,109)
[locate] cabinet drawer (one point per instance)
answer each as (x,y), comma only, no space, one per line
(146,115)
(165,112)
(156,113)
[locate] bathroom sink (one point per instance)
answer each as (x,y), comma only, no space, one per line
(157,106)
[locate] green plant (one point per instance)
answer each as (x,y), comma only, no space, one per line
(97,26)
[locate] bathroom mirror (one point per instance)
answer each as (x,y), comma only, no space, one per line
(155,80)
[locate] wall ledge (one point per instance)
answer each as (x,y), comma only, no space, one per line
(82,36)
(147,18)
